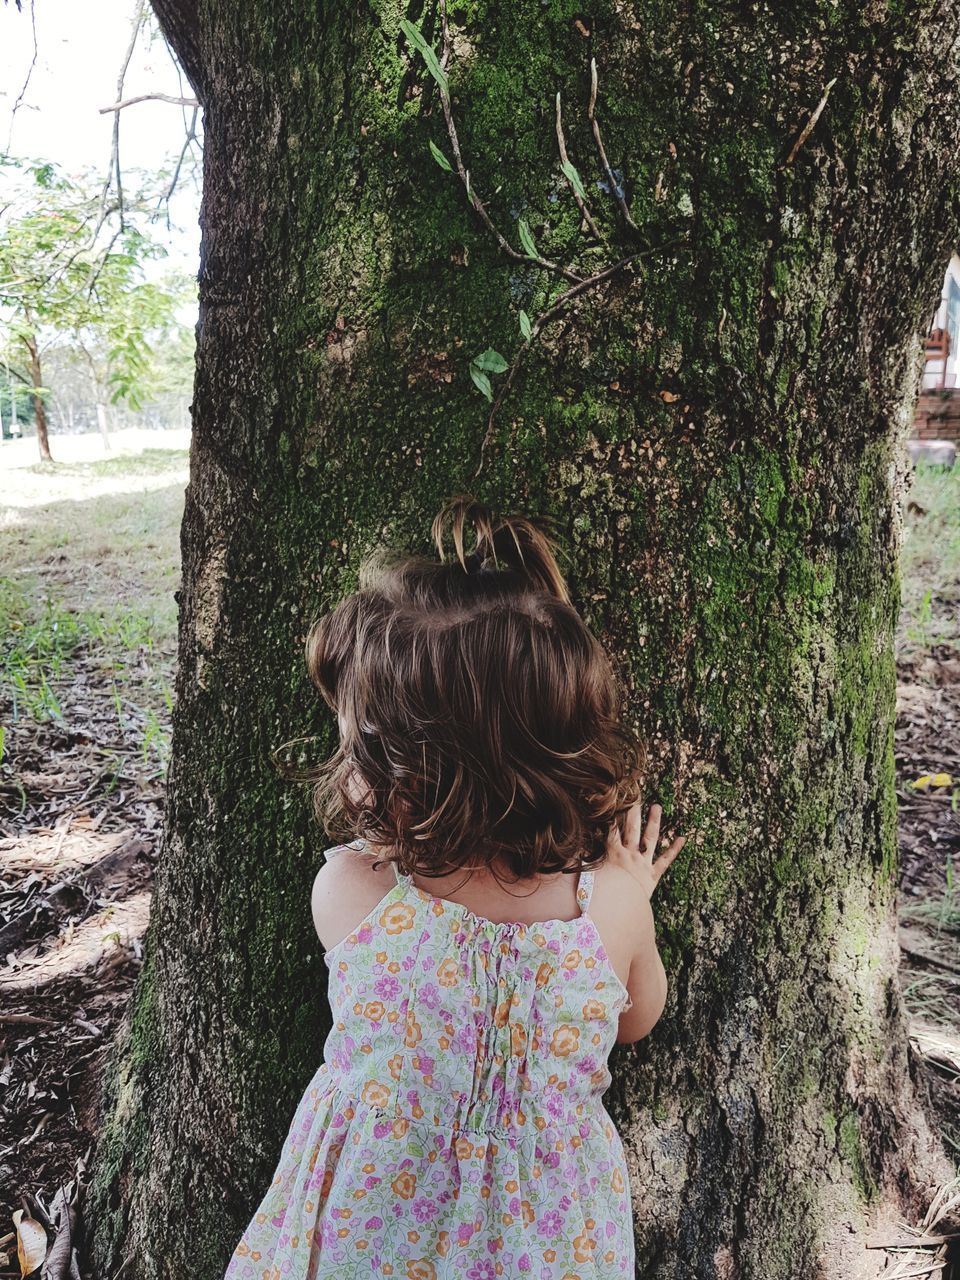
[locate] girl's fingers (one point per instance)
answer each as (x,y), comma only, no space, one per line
(668,855)
(633,825)
(651,832)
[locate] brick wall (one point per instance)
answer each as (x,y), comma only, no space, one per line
(937,416)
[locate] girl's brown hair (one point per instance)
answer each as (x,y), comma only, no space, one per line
(479,715)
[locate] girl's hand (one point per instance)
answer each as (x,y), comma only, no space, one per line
(635,849)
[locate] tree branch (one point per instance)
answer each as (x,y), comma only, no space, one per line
(565,159)
(615,189)
(464,176)
(553,313)
(26,83)
(114,166)
(150,97)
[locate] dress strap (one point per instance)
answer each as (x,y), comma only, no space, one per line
(365,844)
(585,890)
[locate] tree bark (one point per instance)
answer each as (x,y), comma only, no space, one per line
(39,408)
(717,426)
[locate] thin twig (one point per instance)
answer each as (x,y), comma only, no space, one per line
(114,165)
(26,83)
(552,313)
(191,137)
(807,129)
(581,203)
(547,317)
(151,97)
(614,185)
(464,175)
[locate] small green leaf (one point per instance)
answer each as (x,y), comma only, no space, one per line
(440,158)
(573,178)
(481,381)
(491,360)
(416,40)
(526,239)
(526,328)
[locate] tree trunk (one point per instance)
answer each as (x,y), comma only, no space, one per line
(718,427)
(103,423)
(39,408)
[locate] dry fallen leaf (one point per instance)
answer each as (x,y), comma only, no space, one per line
(31,1243)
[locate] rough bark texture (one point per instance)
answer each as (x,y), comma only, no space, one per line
(718,429)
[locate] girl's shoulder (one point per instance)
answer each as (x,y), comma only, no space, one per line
(347,887)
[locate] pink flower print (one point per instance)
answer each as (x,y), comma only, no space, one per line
(365,932)
(429,995)
(515,1206)
(382,1128)
(387,987)
(523,1263)
(464,1232)
(372,1224)
(426,1064)
(424,1209)
(553,1104)
(482,1270)
(565,1204)
(551,1224)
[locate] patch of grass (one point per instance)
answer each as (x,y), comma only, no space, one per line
(43,638)
(37,642)
(930,558)
(943,913)
(932,996)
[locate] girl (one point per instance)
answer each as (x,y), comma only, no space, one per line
(489,935)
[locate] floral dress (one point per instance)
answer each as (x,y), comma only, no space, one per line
(455,1128)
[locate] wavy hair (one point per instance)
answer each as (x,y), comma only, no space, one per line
(479,716)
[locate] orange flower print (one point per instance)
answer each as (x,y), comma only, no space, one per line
(543,974)
(518,1040)
(572,959)
(375,1094)
(421,1269)
(616,1181)
(405,1185)
(443,1243)
(397,917)
(414,1031)
(583,1246)
(395,1063)
(374,1010)
(528,1214)
(447,973)
(564,1041)
(594,1009)
(463,1148)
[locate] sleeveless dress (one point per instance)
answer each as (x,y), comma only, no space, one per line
(455,1128)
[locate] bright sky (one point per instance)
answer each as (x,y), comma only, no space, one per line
(80,51)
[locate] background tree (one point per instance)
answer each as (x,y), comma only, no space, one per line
(766,196)
(67,269)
